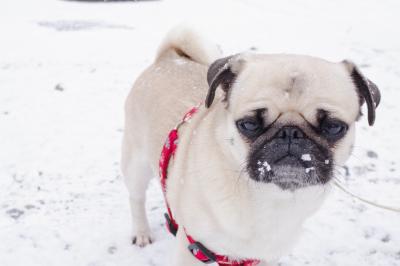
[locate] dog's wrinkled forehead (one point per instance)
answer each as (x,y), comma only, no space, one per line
(295,84)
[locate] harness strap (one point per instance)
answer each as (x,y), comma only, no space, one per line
(198,250)
(206,256)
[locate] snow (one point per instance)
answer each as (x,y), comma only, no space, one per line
(267,166)
(306,157)
(65,70)
(263,167)
(309,169)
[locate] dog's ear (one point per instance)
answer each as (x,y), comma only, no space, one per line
(366,89)
(222,72)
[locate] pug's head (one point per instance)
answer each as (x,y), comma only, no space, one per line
(290,118)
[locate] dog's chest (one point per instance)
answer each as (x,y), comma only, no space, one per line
(268,222)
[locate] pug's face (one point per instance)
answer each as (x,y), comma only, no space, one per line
(291,118)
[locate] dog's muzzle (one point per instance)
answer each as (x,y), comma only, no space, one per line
(290,160)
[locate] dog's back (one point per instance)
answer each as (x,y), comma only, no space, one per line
(175,82)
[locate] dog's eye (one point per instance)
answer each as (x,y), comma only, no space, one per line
(333,129)
(249,127)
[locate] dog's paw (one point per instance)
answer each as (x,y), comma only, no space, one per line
(141,240)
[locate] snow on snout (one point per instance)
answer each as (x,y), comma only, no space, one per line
(309,169)
(263,167)
(306,157)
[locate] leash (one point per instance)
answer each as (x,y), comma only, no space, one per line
(366,201)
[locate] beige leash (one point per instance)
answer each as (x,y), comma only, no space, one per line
(345,190)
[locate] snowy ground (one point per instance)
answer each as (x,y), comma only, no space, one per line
(65,69)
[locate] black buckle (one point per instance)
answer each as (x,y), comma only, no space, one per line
(196,247)
(171,228)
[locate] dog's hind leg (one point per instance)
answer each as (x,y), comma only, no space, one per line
(137,173)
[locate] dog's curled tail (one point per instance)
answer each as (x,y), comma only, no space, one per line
(187,42)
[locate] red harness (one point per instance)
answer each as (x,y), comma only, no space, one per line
(199,251)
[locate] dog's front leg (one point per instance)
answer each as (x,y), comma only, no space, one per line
(182,255)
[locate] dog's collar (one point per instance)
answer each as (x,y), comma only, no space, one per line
(198,250)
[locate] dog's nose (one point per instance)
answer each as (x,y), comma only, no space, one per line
(290,133)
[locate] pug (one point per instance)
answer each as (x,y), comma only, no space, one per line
(258,156)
